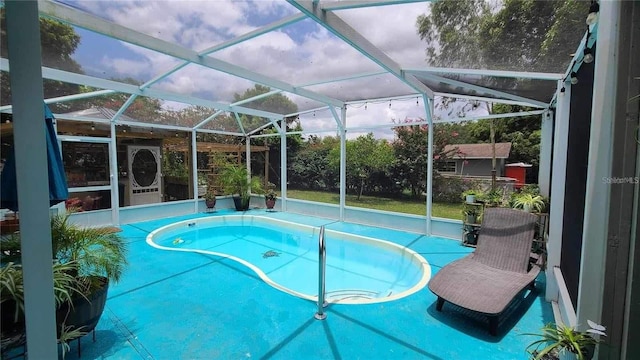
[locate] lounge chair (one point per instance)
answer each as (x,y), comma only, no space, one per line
(487,280)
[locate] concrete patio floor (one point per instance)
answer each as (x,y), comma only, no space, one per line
(172,305)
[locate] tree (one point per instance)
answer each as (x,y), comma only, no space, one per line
(311,168)
(276,103)
(410,152)
(365,157)
(452,33)
(59,42)
(523,35)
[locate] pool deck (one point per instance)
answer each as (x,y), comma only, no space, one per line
(172,305)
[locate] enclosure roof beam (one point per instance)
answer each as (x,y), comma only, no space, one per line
(291,19)
(156,126)
(250,35)
(297,113)
(91,22)
(343,78)
(80,79)
(60,99)
(344,5)
(209,118)
(491,116)
(344,31)
(124,107)
(482,89)
(257,97)
(262,127)
(384,99)
(220,132)
(491,100)
(493,73)
(235,114)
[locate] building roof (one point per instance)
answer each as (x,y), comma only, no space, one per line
(100,113)
(478,151)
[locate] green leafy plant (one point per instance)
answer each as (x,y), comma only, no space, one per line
(83,260)
(95,251)
(470,192)
(559,338)
(68,333)
(492,197)
(210,194)
(65,286)
(236,181)
(529,202)
(270,195)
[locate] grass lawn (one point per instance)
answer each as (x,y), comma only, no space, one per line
(402,205)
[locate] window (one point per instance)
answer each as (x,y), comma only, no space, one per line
(86,164)
(446,166)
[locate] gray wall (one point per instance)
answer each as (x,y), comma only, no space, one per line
(479,167)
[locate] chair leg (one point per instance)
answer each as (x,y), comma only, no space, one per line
(439,303)
(493,325)
(94,335)
(79,348)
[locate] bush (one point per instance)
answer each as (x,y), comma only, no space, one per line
(448,188)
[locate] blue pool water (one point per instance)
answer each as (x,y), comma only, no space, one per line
(359,269)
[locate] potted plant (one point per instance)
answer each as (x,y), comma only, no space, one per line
(210,194)
(236,181)
(90,257)
(562,338)
(492,198)
(529,202)
(270,199)
(471,214)
(210,199)
(470,195)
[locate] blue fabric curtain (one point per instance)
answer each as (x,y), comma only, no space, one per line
(58,191)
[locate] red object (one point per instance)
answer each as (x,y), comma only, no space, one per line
(517,171)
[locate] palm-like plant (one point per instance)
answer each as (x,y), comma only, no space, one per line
(236,181)
(559,338)
(95,251)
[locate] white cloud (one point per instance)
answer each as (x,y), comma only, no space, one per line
(392,29)
(299,58)
(121,67)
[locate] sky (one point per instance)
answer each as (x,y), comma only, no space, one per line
(301,53)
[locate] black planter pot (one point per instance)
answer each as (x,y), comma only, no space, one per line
(211,203)
(242,204)
(84,313)
(8,323)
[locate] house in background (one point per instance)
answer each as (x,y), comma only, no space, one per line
(473,159)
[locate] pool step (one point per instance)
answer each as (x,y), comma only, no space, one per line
(342,294)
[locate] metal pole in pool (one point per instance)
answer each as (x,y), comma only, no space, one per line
(322,259)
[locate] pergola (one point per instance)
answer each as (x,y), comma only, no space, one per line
(380,76)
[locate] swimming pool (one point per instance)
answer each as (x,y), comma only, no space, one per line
(285,255)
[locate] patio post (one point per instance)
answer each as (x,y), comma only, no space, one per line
(595,238)
(194,169)
(283,167)
(113,168)
(559,171)
(546,142)
(247,151)
(428,106)
(23,40)
(343,160)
